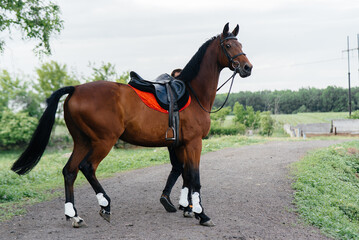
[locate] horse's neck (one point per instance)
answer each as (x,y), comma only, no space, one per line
(206,81)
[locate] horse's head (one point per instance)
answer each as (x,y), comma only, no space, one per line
(233,56)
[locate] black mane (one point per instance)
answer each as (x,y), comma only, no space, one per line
(191,69)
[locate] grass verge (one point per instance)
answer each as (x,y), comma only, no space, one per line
(16,192)
(327,190)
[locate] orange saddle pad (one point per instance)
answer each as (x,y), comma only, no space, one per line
(150,100)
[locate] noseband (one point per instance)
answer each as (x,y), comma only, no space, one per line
(231,62)
(234,63)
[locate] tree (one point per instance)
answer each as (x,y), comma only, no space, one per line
(221,115)
(37,20)
(17,97)
(239,113)
(107,72)
(267,124)
(52,76)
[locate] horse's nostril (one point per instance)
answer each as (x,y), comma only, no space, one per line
(247,68)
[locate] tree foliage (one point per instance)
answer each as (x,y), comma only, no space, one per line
(220,116)
(36,19)
(52,76)
(330,99)
(266,124)
(246,116)
(107,72)
(15,129)
(17,95)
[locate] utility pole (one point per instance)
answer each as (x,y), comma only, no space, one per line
(350,95)
(349,91)
(358,52)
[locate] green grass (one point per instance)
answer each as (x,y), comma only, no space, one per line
(327,190)
(294,119)
(41,183)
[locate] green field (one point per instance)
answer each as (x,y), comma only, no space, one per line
(327,190)
(294,119)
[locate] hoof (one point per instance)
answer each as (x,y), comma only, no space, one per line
(167,204)
(106,215)
(78,222)
(187,212)
(209,223)
(204,220)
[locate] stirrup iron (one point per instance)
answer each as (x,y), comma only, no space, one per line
(174,134)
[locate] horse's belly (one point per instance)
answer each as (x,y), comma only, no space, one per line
(145,139)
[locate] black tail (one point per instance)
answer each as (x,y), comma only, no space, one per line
(31,156)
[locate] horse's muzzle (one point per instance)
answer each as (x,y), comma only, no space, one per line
(245,71)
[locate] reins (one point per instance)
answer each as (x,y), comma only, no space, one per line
(225,101)
(235,65)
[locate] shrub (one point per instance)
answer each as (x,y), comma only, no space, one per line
(216,129)
(16,129)
(267,124)
(246,116)
(355,115)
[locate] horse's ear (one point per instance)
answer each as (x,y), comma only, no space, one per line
(236,30)
(225,30)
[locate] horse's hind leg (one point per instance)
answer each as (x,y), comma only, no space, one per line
(88,167)
(70,173)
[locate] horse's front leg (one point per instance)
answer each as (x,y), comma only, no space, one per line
(192,179)
(185,202)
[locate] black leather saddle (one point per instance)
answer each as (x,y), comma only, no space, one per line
(159,87)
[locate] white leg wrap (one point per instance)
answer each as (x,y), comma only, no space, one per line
(197,208)
(184,197)
(69,209)
(102,201)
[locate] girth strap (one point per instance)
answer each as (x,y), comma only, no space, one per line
(173,116)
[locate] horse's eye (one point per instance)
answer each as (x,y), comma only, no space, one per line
(228,46)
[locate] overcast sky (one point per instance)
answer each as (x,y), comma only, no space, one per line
(291,43)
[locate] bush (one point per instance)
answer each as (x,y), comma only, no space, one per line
(246,116)
(267,124)
(16,129)
(216,129)
(355,115)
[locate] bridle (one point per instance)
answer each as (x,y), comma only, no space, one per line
(231,63)
(235,64)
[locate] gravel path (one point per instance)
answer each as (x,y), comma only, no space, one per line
(246,191)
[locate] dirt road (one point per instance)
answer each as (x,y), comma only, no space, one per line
(246,191)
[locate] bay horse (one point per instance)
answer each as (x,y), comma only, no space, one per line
(99,113)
